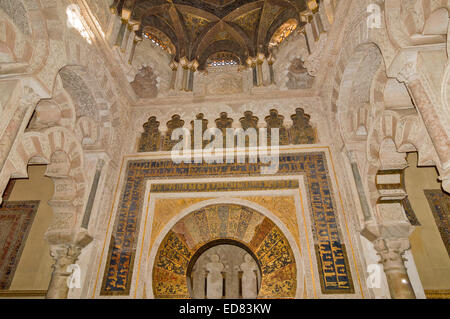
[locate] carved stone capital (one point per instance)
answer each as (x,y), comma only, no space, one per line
(391,252)
(64,255)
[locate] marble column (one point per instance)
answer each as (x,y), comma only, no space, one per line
(251,62)
(121,34)
(391,253)
(193,65)
(136,41)
(259,62)
(184,64)
(173,79)
(126,39)
(64,256)
(271,61)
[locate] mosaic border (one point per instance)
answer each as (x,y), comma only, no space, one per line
(326,231)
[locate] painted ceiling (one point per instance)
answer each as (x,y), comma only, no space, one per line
(199,29)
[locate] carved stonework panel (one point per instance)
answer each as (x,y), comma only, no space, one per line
(275,120)
(249,121)
(298,77)
(145,83)
(151,138)
(301,131)
(224,122)
(223,83)
(204,127)
(175,123)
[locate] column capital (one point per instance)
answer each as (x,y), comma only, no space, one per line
(306,16)
(313,6)
(251,61)
(260,58)
(184,62)
(65,254)
(193,65)
(391,252)
(173,65)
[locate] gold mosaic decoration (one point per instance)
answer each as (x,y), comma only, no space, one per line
(225,221)
(284,208)
(248,21)
(195,24)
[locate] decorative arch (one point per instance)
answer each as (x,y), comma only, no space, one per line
(80,92)
(354,103)
(27,37)
(261,227)
(82,85)
(417,22)
(63,154)
(405,133)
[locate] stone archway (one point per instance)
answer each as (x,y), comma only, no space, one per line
(232,222)
(57,148)
(63,155)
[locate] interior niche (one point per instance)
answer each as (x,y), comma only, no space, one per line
(224,271)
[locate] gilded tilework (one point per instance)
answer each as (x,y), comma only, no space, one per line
(167,208)
(284,208)
(440,206)
(334,271)
(224,186)
(272,249)
(16,219)
(333,262)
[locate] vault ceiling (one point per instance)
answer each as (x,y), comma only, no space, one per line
(198,29)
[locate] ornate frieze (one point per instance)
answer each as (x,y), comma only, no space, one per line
(301,131)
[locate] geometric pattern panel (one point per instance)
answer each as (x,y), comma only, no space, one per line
(221,222)
(440,206)
(334,271)
(16,219)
